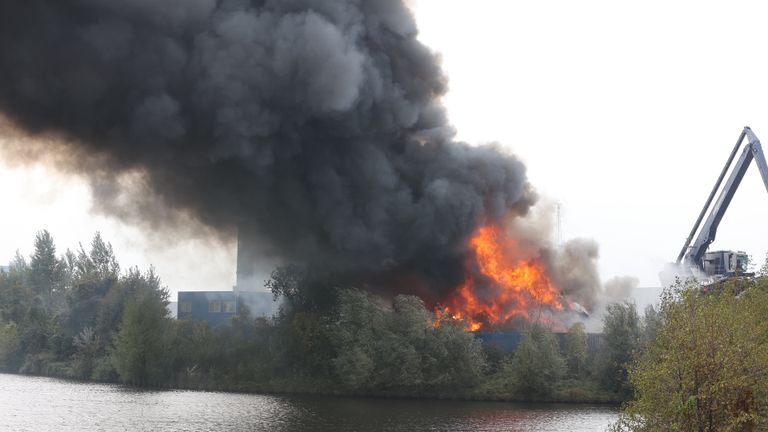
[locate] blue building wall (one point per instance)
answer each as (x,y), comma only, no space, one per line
(506,342)
(217,308)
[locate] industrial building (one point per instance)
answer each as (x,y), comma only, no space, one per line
(217,308)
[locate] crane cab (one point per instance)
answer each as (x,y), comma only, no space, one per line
(725,263)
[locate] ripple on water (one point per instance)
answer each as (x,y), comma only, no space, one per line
(40,404)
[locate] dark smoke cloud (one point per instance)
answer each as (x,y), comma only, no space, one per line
(316,123)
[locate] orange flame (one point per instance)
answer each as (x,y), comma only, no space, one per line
(519,286)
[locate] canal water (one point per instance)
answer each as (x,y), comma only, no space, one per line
(45,404)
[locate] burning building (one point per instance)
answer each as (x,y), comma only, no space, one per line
(319,123)
(501,287)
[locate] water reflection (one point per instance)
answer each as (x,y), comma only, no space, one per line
(35,404)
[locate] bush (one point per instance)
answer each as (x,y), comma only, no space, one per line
(103,370)
(10,344)
(536,367)
(621,345)
(707,369)
(378,347)
(139,355)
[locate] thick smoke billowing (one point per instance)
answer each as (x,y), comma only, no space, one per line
(576,273)
(572,265)
(316,123)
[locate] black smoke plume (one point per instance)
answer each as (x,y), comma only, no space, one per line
(316,124)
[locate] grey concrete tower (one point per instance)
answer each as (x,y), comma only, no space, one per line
(255,260)
(246,262)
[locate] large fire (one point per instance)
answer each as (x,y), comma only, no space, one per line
(507,286)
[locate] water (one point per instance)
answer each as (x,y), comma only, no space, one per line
(41,404)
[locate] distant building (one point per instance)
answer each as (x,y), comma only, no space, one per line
(5,269)
(217,308)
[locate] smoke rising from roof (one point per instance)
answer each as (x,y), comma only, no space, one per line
(318,124)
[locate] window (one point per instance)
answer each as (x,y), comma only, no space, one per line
(185,307)
(214,306)
(229,307)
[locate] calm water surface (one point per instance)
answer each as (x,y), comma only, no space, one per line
(41,404)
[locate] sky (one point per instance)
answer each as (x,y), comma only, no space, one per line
(624,113)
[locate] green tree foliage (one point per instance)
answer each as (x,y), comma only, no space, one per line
(536,367)
(455,358)
(140,346)
(399,347)
(576,350)
(307,346)
(102,259)
(37,328)
(302,289)
(358,328)
(10,345)
(763,272)
(621,343)
(652,321)
(95,276)
(20,268)
(707,369)
(79,316)
(65,311)
(44,268)
(87,346)
(193,346)
(15,296)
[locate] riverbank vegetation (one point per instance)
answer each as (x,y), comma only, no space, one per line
(80,316)
(707,367)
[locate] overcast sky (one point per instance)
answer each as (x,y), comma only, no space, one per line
(623,112)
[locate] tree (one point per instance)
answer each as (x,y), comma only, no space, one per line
(10,344)
(459,359)
(576,349)
(20,268)
(87,345)
(621,342)
(139,355)
(103,258)
(45,273)
(95,277)
(651,323)
(110,306)
(15,297)
(399,352)
(536,367)
(707,369)
(399,347)
(68,268)
(764,268)
(194,347)
(302,289)
(359,325)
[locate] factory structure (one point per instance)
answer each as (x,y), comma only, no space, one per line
(248,295)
